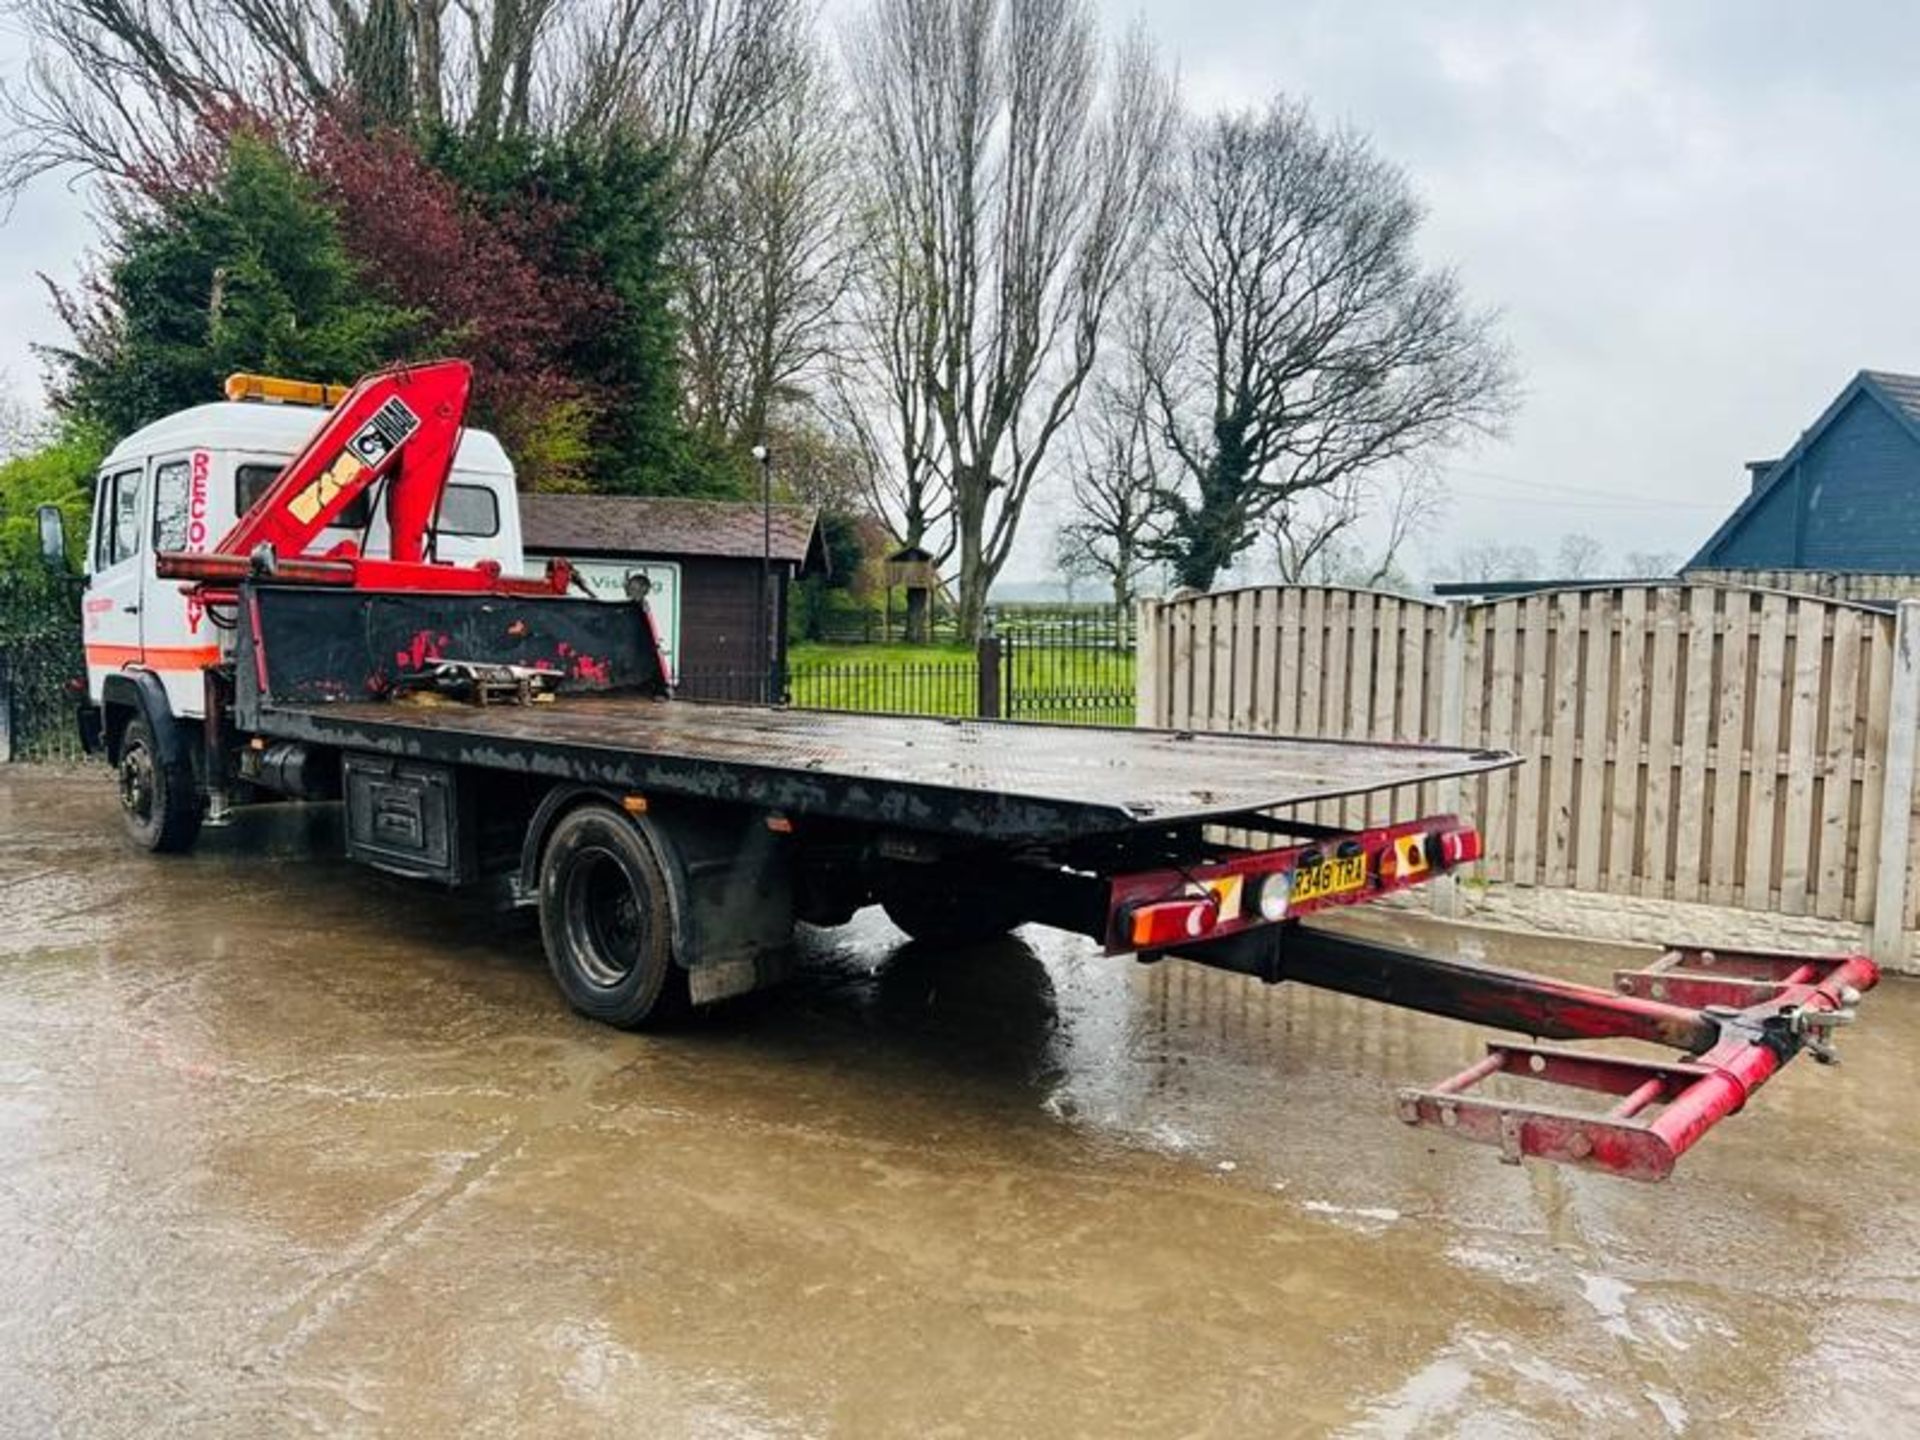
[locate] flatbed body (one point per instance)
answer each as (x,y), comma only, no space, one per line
(1001,781)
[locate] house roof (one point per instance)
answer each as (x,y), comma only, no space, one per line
(1898,393)
(1902,390)
(634,525)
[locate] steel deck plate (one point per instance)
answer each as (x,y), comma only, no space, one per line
(987,778)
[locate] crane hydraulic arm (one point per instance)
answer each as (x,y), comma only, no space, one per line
(398,426)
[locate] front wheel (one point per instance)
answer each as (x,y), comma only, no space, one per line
(158,801)
(606,918)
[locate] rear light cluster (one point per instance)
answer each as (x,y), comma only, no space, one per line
(1454,847)
(1409,856)
(1171,921)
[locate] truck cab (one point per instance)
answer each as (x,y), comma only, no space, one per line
(180,483)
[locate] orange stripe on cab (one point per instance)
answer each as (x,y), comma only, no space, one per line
(154,657)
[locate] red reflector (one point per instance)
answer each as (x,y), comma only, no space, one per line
(1458,847)
(1171,921)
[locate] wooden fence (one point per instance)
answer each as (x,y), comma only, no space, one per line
(1684,742)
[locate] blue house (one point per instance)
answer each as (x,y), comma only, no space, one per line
(1840,511)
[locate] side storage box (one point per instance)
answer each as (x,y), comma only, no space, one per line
(407,817)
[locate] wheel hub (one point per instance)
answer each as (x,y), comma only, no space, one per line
(612,927)
(136,783)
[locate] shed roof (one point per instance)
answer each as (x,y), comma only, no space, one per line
(1898,393)
(635,525)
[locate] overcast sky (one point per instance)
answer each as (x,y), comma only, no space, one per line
(1698,220)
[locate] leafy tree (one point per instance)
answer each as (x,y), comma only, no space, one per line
(250,275)
(60,472)
(593,217)
(461,264)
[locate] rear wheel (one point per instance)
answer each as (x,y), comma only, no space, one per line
(941,913)
(158,801)
(606,918)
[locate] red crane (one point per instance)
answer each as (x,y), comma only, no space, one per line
(398,428)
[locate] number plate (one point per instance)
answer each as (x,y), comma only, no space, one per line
(1335,875)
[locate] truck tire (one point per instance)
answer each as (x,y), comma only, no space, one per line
(606,918)
(158,800)
(949,916)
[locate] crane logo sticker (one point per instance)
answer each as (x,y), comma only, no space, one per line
(389,428)
(371,444)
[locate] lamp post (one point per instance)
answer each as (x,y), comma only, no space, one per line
(765,627)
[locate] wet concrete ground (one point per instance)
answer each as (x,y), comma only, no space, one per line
(287,1147)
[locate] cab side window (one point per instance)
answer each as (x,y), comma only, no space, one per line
(250,482)
(170,506)
(469,510)
(118,531)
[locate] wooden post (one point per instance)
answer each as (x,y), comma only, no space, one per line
(988,677)
(1146,663)
(1896,806)
(1453,729)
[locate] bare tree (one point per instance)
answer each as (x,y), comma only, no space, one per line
(123,87)
(1012,190)
(1114,482)
(143,91)
(23,426)
(1579,557)
(881,398)
(765,261)
(1298,341)
(1074,563)
(1318,533)
(1650,564)
(1485,561)
(696,75)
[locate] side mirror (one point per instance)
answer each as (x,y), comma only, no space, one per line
(53,536)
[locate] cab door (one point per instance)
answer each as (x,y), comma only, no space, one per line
(177,636)
(111,618)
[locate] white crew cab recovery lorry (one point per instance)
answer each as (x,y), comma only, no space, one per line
(316,595)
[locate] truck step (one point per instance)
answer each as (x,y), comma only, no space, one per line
(1623,1140)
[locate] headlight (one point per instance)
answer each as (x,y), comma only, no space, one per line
(1276,893)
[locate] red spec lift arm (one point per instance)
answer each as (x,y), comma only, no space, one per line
(1735,1017)
(400,426)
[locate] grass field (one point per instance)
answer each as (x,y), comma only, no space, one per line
(1070,684)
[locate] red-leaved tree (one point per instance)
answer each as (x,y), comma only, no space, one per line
(477,281)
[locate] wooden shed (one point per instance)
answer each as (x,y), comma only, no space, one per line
(722,617)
